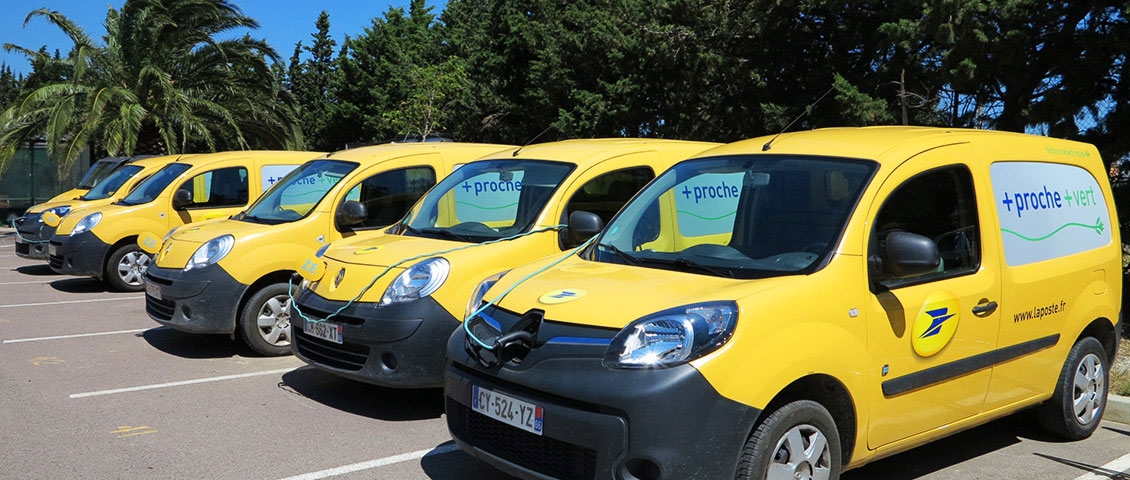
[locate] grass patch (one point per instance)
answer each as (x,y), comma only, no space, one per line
(1120,371)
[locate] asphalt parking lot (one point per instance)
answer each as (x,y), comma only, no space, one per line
(90,387)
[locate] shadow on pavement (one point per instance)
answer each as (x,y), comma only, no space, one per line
(391,404)
(80,285)
(37,270)
(448,461)
(1118,431)
(950,451)
(194,345)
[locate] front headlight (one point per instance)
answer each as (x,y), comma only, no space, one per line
(88,222)
(673,337)
(481,291)
(418,281)
(211,252)
(60,211)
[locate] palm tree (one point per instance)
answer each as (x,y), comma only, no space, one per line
(161,83)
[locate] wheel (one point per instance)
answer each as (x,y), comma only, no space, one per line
(798,441)
(125,270)
(264,322)
(1077,406)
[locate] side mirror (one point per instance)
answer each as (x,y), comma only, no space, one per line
(351,213)
(182,199)
(909,254)
(583,225)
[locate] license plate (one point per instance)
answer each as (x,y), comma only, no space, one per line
(53,250)
(507,409)
(153,290)
(323,330)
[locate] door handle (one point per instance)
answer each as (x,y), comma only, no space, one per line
(984,308)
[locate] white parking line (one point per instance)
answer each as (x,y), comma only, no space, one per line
(1110,470)
(380,462)
(177,384)
(26,283)
(72,301)
(78,335)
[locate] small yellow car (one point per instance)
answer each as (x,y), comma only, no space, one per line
(793,306)
(101,240)
(108,177)
(381,307)
(233,275)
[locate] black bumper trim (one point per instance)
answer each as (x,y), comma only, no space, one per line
(202,300)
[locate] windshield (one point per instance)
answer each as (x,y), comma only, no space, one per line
(298,193)
(486,200)
(749,216)
(112,183)
(98,171)
(148,190)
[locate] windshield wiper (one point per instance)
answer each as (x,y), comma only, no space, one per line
(434,232)
(692,265)
(619,253)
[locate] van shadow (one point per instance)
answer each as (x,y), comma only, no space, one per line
(43,270)
(80,285)
(195,345)
(381,403)
(446,460)
(953,450)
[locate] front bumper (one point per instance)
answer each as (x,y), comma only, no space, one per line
(81,255)
(32,237)
(394,346)
(202,300)
(598,423)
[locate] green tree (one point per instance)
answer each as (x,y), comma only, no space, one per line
(376,71)
(432,92)
(310,81)
(9,86)
(161,83)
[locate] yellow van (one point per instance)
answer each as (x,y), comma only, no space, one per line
(234,275)
(794,306)
(388,302)
(36,229)
(101,240)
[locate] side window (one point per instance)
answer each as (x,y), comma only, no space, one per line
(388,195)
(940,205)
(226,187)
(606,194)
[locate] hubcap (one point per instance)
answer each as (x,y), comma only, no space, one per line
(1088,398)
(801,454)
(274,321)
(132,267)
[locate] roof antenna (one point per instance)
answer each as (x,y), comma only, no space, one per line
(807,110)
(531,140)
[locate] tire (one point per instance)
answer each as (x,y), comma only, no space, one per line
(264,322)
(796,441)
(125,269)
(1079,401)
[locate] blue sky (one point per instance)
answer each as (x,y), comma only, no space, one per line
(282,22)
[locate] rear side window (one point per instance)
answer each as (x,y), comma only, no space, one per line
(940,205)
(1048,210)
(225,187)
(388,195)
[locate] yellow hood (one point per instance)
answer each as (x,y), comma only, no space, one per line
(610,295)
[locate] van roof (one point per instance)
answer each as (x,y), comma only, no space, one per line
(388,150)
(587,152)
(288,156)
(868,142)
